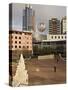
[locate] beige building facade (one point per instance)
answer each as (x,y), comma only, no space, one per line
(63,25)
(19,40)
(55,37)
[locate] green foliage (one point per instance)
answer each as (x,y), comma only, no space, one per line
(42,50)
(45,50)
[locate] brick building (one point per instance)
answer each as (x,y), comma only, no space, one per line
(19,41)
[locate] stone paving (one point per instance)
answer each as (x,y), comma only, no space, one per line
(41,72)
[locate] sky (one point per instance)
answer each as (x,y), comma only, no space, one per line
(43,13)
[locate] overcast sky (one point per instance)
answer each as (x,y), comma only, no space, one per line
(42,14)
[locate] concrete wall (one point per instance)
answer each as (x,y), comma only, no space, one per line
(46,57)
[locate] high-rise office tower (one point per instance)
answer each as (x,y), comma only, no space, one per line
(54,26)
(63,25)
(28,18)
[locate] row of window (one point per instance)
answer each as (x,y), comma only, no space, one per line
(15,32)
(15,42)
(20,37)
(20,42)
(20,46)
(58,37)
(16,37)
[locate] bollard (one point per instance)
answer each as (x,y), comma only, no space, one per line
(54,68)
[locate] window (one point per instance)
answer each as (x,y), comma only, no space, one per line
(23,46)
(15,41)
(15,46)
(19,41)
(52,37)
(27,42)
(62,36)
(19,37)
(27,46)
(16,32)
(19,46)
(58,36)
(25,33)
(15,37)
(55,36)
(20,33)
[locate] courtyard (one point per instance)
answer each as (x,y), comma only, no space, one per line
(41,72)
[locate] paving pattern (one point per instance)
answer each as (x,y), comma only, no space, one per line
(42,72)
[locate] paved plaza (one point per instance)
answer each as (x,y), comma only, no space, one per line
(41,72)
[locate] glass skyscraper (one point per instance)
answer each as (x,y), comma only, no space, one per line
(28,18)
